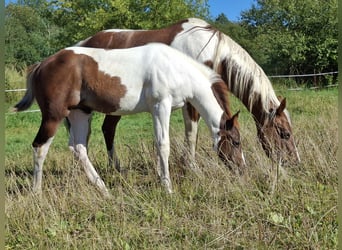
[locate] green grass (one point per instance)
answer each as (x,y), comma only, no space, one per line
(212,209)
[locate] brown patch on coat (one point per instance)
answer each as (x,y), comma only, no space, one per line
(193,114)
(100,92)
(222,70)
(66,80)
(128,39)
(220,91)
(209,64)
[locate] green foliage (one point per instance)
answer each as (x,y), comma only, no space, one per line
(297,36)
(234,30)
(81,18)
(13,80)
(28,36)
(36,29)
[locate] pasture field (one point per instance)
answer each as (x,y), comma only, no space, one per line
(266,208)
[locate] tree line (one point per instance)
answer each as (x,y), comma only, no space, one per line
(284,37)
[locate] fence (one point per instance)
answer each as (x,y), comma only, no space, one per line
(307,75)
(276,76)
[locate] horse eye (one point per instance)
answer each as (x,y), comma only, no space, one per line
(285,135)
(236,143)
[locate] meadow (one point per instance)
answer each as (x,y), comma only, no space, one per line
(266,208)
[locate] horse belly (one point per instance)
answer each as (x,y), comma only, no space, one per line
(131,105)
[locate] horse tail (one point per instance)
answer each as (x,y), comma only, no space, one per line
(28,98)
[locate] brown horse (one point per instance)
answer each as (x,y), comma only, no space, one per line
(244,77)
(154,78)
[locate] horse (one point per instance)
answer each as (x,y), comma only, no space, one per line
(243,76)
(154,78)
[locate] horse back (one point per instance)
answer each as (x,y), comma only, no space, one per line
(119,39)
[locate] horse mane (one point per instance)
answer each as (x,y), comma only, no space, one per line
(245,78)
(203,25)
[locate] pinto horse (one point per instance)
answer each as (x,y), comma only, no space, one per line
(154,78)
(244,77)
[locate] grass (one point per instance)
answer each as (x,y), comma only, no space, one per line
(212,209)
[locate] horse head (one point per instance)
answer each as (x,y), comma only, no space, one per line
(229,144)
(276,136)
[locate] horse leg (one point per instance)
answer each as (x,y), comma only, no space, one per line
(108,129)
(79,122)
(71,136)
(191,118)
(40,147)
(68,128)
(161,122)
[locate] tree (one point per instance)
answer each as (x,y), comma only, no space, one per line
(234,30)
(36,29)
(28,36)
(298,37)
(82,18)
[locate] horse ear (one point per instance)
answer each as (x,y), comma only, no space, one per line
(281,107)
(232,121)
(236,116)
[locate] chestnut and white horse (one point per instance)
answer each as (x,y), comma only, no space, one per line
(244,77)
(154,78)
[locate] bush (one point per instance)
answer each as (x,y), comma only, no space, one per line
(14,79)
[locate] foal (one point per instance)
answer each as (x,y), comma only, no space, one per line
(154,78)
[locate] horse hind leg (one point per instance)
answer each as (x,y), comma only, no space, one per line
(71,136)
(108,129)
(67,124)
(79,124)
(40,147)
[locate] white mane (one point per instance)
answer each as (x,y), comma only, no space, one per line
(244,75)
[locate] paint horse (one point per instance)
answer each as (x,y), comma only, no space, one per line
(244,77)
(154,78)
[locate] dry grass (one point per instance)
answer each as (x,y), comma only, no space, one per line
(294,208)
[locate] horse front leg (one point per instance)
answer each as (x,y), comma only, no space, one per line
(161,122)
(41,145)
(108,129)
(79,123)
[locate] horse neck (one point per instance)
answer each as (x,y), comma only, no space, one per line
(245,78)
(213,105)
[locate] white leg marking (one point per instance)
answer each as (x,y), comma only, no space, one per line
(82,156)
(74,113)
(161,119)
(79,122)
(39,155)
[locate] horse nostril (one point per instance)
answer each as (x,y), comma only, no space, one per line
(287,136)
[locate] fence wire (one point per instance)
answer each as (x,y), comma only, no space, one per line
(275,76)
